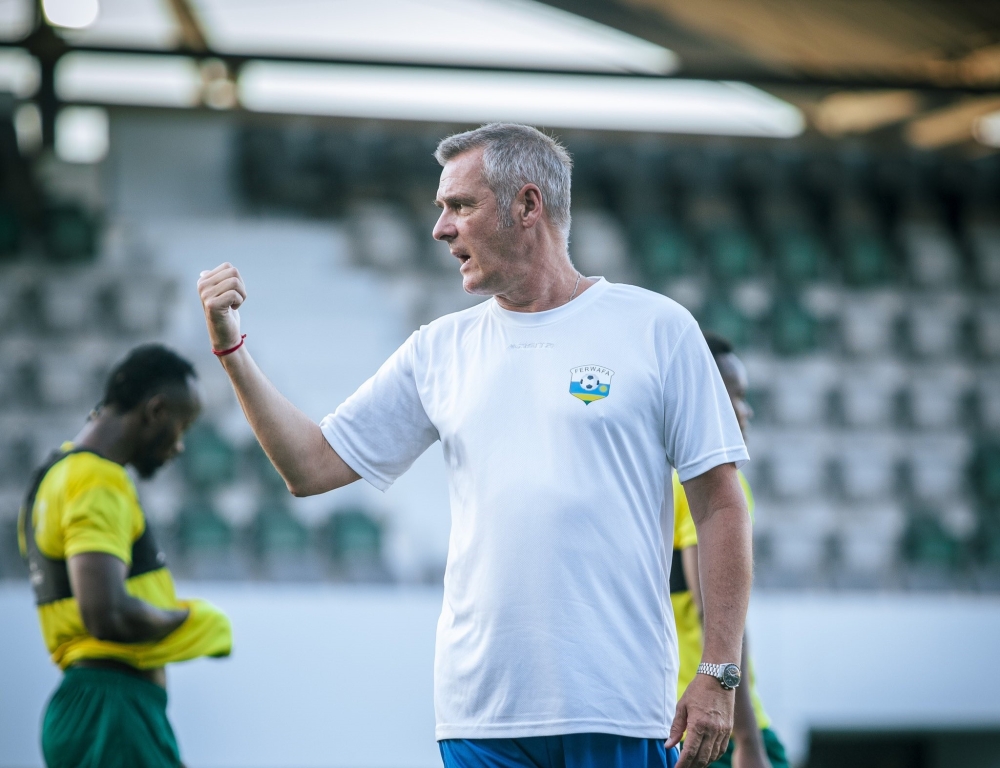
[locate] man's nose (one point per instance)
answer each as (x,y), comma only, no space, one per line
(444,229)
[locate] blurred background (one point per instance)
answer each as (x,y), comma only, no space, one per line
(818,181)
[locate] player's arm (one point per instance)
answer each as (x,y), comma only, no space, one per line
(719,511)
(750,752)
(109,612)
(292,441)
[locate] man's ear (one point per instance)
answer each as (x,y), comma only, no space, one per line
(529,205)
(156,408)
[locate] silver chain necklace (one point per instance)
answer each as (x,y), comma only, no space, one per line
(575,287)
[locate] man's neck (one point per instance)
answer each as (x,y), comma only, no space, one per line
(106,434)
(551,282)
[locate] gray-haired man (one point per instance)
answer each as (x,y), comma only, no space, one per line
(560,404)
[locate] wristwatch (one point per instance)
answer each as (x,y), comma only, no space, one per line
(728,675)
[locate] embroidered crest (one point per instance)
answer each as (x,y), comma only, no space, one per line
(590,382)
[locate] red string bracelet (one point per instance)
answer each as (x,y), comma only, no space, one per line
(224,352)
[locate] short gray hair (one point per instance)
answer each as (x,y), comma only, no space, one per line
(515,155)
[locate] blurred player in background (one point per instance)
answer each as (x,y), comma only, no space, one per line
(560,403)
(754,744)
(106,602)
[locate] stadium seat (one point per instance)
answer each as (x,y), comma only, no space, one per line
(937,467)
(985,244)
(600,246)
(206,544)
(10,232)
(797,465)
(799,542)
(987,398)
(866,259)
(282,545)
(868,393)
(925,541)
(932,255)
(65,378)
(869,541)
(664,250)
(140,301)
(68,302)
(794,331)
(867,464)
(208,460)
(384,236)
(986,324)
(799,257)
(70,234)
(255,466)
(985,472)
(936,395)
(868,321)
(353,539)
(935,324)
(723,317)
(800,390)
(732,253)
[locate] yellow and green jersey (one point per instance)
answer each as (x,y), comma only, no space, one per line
(81,502)
(689,637)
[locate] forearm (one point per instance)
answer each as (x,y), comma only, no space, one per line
(292,441)
(725,570)
(134,621)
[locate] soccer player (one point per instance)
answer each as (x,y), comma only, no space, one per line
(560,402)
(106,602)
(754,744)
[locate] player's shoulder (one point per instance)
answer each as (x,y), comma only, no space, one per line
(454,322)
(84,470)
(631,299)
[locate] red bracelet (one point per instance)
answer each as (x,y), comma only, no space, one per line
(224,352)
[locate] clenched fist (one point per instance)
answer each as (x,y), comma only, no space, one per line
(222,292)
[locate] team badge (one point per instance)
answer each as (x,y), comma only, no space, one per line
(590,383)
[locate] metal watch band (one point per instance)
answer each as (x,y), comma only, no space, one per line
(715,670)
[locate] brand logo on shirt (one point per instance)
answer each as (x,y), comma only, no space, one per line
(590,383)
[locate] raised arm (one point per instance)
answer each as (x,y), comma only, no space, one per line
(291,440)
(108,611)
(719,510)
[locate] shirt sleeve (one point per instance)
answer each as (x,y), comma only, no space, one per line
(99,519)
(685,534)
(700,427)
(381,429)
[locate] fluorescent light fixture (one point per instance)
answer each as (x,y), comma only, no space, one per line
(19,72)
(111,78)
(73,14)
(82,134)
(567,101)
(16,19)
(129,24)
(495,32)
(987,130)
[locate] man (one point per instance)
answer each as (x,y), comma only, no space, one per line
(754,744)
(559,403)
(106,601)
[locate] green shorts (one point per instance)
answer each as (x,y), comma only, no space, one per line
(772,744)
(100,718)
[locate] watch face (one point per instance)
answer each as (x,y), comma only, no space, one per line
(731,676)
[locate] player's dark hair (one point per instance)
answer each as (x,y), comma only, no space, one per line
(718,344)
(144,372)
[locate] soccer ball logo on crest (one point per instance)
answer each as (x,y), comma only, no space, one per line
(590,383)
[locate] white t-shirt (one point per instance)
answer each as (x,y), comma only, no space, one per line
(557,429)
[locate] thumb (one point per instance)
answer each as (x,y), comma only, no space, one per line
(678,726)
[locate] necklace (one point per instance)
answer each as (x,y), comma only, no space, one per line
(575,287)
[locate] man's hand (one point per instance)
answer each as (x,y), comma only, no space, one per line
(705,711)
(222,292)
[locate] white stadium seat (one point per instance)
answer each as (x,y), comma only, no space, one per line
(868,392)
(599,246)
(867,464)
(937,393)
(868,321)
(932,257)
(797,465)
(800,390)
(938,466)
(935,323)
(869,536)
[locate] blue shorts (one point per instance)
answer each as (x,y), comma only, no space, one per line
(577,750)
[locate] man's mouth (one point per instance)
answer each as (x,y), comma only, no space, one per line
(462,257)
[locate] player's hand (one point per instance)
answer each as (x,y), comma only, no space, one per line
(222,292)
(705,712)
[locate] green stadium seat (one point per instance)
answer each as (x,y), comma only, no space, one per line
(70,235)
(353,534)
(664,250)
(199,529)
(986,542)
(208,460)
(276,532)
(985,472)
(799,257)
(926,542)
(10,232)
(255,465)
(793,330)
(724,318)
(866,260)
(732,254)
